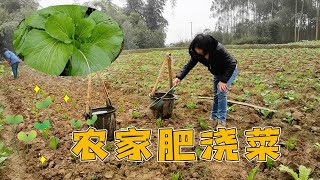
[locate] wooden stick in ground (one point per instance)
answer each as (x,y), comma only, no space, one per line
(170,69)
(241,103)
(159,76)
(88,94)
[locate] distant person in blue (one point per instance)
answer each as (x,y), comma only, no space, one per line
(13,60)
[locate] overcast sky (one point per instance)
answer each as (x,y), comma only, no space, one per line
(179,17)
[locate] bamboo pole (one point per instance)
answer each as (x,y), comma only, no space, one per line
(170,69)
(88,94)
(159,76)
(241,103)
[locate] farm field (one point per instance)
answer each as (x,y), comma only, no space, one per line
(287,80)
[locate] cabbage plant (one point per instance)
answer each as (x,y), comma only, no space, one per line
(68,40)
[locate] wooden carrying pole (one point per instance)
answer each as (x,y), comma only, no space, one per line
(160,73)
(105,89)
(241,103)
(88,94)
(170,69)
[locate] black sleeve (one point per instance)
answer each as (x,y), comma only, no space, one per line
(192,62)
(231,63)
(187,68)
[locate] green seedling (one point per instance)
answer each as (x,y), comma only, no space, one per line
(121,110)
(65,115)
(108,147)
(131,126)
(189,126)
(308,108)
(285,68)
(76,124)
(73,156)
(135,114)
(158,123)
(281,81)
(269,163)
(1,111)
(35,111)
(136,104)
(232,108)
(317,146)
(203,124)
(43,128)
(1,69)
(271,98)
(288,117)
(259,88)
(316,98)
(4,153)
(43,94)
(317,87)
(14,121)
(265,113)
(176,175)
(27,137)
(290,144)
(291,95)
(198,151)
(45,133)
(191,105)
(243,97)
(53,143)
(304,172)
(92,120)
(58,109)
(240,132)
(44,105)
(252,173)
(74,103)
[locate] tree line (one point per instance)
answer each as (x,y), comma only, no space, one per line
(141,20)
(239,21)
(12,13)
(265,21)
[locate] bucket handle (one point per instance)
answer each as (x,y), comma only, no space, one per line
(108,102)
(168,60)
(88,103)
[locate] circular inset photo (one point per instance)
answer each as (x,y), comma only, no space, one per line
(68,40)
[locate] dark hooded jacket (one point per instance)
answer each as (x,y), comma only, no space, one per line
(220,62)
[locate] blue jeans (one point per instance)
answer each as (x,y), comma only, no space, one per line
(15,70)
(219,107)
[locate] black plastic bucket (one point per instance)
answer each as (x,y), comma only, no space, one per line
(106,119)
(165,111)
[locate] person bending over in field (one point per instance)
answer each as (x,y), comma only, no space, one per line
(208,51)
(13,60)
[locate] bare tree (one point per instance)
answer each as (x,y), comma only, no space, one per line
(295,21)
(317,19)
(300,21)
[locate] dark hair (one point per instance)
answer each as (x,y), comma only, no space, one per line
(5,49)
(205,42)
